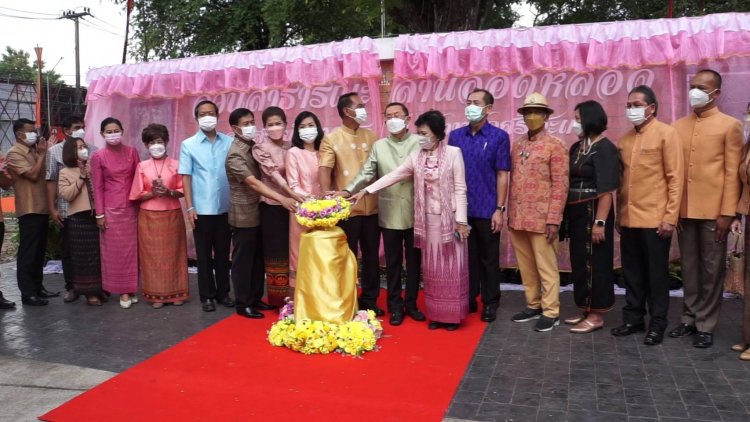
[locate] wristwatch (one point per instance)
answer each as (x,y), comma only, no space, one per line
(500,208)
(600,223)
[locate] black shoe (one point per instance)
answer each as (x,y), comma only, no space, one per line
(683,330)
(451,327)
(250,312)
(5,303)
(434,325)
(546,323)
(43,293)
(34,301)
(627,329)
(397,318)
(527,315)
(653,338)
(473,306)
(489,314)
(415,314)
(263,306)
(226,302)
(703,340)
(208,305)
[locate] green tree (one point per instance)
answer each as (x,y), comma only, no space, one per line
(16,65)
(427,16)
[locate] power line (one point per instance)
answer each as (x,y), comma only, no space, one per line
(5,15)
(27,11)
(90,24)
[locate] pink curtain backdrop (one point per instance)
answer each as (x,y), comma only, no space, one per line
(570,64)
(295,79)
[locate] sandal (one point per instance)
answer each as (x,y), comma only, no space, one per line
(179,303)
(740,347)
(586,326)
(93,301)
(575,319)
(157,305)
(745,355)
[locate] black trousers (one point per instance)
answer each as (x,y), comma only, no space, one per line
(396,244)
(645,267)
(213,238)
(364,232)
(248,271)
(484,262)
(31,247)
(67,263)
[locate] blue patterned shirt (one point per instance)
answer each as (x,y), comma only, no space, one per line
(205,162)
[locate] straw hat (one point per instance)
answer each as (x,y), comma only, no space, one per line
(535,100)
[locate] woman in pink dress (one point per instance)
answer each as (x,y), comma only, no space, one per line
(112,169)
(162,246)
(440,220)
(302,176)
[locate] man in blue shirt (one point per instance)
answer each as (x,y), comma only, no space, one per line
(487,149)
(204,179)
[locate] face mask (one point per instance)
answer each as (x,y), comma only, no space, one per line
(534,121)
(577,128)
(248,132)
(395,125)
(157,150)
(83,154)
(31,138)
(699,98)
(78,133)
(636,115)
(275,132)
(427,143)
(113,138)
(474,113)
(361,115)
(207,123)
(747,118)
(308,134)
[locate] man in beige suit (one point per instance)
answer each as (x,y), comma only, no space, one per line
(711,144)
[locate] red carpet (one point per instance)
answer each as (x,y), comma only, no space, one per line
(229,372)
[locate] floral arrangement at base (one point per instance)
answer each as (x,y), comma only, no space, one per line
(354,337)
(323,213)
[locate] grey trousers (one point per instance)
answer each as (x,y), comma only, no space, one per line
(703,265)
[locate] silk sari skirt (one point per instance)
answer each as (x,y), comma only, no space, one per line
(83,241)
(119,250)
(162,251)
(274,226)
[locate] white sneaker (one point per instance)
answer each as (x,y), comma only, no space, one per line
(125,304)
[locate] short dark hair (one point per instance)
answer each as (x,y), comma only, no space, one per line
(715,74)
(70,152)
(593,118)
(648,93)
(197,106)
(488,98)
(109,120)
(237,114)
(154,131)
(20,123)
(296,140)
(435,121)
(69,121)
(345,101)
(402,105)
(273,111)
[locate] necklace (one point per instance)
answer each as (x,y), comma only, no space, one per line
(585,147)
(159,171)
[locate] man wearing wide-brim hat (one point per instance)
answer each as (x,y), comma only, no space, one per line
(538,191)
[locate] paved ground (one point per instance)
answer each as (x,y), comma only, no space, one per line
(50,354)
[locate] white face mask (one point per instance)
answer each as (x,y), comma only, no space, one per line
(207,123)
(308,134)
(275,132)
(83,154)
(78,133)
(698,98)
(31,138)
(248,132)
(577,128)
(636,115)
(427,143)
(474,113)
(361,115)
(113,138)
(157,150)
(395,125)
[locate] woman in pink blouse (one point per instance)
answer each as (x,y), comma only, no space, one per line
(274,218)
(162,246)
(440,220)
(112,169)
(302,176)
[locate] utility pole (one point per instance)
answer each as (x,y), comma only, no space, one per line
(74,16)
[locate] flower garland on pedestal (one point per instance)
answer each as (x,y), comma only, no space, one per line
(354,337)
(323,213)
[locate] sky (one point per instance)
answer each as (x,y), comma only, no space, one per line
(101,37)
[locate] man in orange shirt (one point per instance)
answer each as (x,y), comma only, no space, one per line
(711,145)
(648,205)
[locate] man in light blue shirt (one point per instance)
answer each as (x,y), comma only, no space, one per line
(206,186)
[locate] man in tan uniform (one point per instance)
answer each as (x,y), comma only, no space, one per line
(711,144)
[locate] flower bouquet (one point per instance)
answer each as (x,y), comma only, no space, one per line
(323,213)
(353,338)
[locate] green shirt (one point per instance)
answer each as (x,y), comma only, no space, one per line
(395,203)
